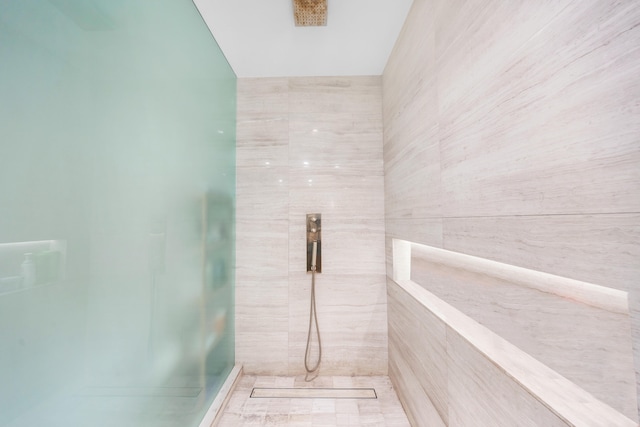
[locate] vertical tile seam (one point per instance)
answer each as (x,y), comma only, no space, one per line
(288,118)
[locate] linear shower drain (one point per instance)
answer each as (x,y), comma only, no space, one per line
(314,393)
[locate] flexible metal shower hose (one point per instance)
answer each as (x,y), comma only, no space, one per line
(313,316)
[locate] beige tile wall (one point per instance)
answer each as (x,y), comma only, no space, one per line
(310,145)
(512,133)
(449,370)
(588,345)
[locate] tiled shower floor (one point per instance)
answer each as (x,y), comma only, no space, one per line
(243,410)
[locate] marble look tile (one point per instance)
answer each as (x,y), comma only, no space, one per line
(347,113)
(261,192)
(394,415)
(411,145)
(634,309)
(412,187)
(537,114)
(336,144)
(262,142)
(360,94)
(229,420)
(352,319)
(348,246)
(564,141)
(348,356)
(410,67)
(263,97)
(263,249)
(532,379)
(473,41)
(601,249)
(262,305)
(412,163)
(501,182)
(418,406)
(587,345)
(340,196)
(419,338)
(383,411)
(347,302)
(262,353)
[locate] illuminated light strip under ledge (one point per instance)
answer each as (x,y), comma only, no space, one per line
(610,299)
(572,404)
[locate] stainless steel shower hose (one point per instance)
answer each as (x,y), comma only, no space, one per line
(313,317)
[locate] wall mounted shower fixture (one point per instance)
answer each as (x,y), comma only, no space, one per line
(314,265)
(314,254)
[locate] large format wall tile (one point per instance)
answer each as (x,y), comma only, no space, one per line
(602,248)
(419,342)
(588,345)
(516,125)
(411,149)
(484,379)
(336,143)
(545,134)
(475,41)
(262,323)
(259,97)
(415,400)
(335,95)
(263,193)
(311,145)
(347,247)
(262,353)
(352,318)
(410,66)
(344,197)
(482,395)
(262,141)
(265,248)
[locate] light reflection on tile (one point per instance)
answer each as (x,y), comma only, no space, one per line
(489,380)
(589,346)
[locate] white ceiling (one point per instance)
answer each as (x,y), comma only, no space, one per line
(260,39)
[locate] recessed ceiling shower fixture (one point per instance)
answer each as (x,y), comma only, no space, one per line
(310,13)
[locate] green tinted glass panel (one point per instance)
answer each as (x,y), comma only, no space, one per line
(117,195)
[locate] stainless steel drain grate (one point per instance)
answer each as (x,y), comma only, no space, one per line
(314,393)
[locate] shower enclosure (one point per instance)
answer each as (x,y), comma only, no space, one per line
(117,195)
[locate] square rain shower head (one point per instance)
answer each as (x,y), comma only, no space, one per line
(310,13)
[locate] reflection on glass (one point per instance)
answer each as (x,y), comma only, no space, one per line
(24,265)
(117,174)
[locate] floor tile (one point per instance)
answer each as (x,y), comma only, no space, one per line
(244,411)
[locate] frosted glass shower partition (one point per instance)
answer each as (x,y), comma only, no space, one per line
(117,175)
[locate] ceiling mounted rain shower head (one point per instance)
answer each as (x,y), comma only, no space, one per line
(310,13)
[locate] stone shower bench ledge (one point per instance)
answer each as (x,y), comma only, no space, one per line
(571,403)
